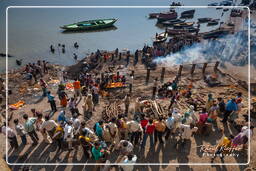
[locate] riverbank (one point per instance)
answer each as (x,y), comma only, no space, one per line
(46,153)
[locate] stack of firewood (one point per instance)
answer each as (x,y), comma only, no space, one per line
(154,109)
(112,110)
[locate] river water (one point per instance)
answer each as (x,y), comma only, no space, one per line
(32,30)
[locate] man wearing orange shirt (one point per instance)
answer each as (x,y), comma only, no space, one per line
(77,87)
(159,130)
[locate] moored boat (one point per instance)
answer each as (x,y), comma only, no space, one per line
(167,16)
(90,24)
(216,33)
(188,14)
(227,3)
(213,4)
(176,31)
(192,29)
(182,31)
(153,15)
(182,25)
(204,20)
(172,22)
(213,22)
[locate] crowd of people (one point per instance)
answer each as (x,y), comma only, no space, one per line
(129,129)
(120,133)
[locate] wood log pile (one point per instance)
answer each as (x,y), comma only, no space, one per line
(113,109)
(154,109)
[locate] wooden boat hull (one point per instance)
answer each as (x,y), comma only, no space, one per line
(176,31)
(167,16)
(212,23)
(172,22)
(215,34)
(213,4)
(188,14)
(90,25)
(183,25)
(204,20)
(153,15)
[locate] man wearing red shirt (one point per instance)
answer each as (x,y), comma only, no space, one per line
(143,122)
(149,131)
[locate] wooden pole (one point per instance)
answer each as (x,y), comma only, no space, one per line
(162,74)
(130,88)
(132,74)
(216,66)
(204,68)
(147,77)
(180,70)
(193,69)
(120,56)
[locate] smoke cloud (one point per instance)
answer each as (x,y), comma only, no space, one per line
(231,48)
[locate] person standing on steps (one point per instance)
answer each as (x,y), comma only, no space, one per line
(30,129)
(52,101)
(20,131)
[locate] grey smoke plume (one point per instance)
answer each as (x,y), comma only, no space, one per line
(230,48)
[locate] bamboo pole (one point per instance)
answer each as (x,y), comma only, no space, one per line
(193,69)
(162,74)
(147,76)
(180,70)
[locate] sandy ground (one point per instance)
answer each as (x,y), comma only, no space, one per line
(167,153)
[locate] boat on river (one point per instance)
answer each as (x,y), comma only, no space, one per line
(182,25)
(172,22)
(213,22)
(153,15)
(90,24)
(171,15)
(188,14)
(204,20)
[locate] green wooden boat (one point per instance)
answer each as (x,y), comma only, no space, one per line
(90,24)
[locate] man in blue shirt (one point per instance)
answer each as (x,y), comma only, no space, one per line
(231,106)
(52,101)
(62,117)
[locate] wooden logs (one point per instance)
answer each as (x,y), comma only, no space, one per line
(147,76)
(180,70)
(193,69)
(162,74)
